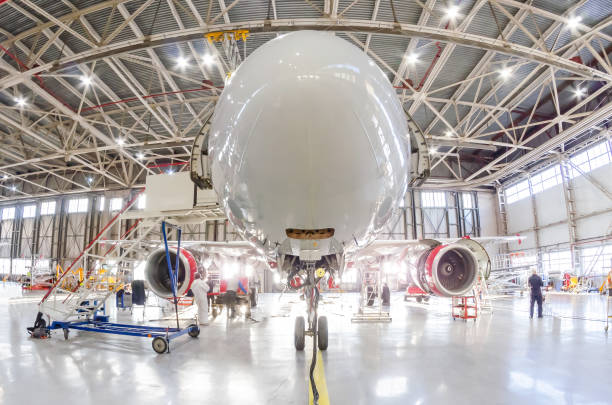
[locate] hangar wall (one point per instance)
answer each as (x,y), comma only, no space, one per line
(581,245)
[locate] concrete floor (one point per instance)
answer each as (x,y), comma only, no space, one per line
(421,357)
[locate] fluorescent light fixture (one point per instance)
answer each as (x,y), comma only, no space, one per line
(579,92)
(86,80)
(505,73)
(182,62)
(208,59)
(572,22)
(21,102)
(452,12)
(120,141)
(412,58)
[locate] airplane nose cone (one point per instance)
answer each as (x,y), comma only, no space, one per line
(309,134)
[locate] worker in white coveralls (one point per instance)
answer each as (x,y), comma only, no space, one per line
(200,293)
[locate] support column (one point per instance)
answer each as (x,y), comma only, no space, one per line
(570,206)
(536,224)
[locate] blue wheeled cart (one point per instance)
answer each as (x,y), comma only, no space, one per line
(161,335)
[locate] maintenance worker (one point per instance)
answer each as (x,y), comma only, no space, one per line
(536,284)
(386,295)
(231,293)
(200,295)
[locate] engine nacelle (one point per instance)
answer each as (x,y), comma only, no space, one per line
(158,278)
(450,270)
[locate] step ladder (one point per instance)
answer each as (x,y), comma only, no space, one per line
(64,303)
(483,299)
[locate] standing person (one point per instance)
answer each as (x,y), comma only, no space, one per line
(536,284)
(200,295)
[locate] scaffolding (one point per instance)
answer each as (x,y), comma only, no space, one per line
(371,308)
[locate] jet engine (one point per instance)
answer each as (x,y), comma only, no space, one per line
(449,270)
(158,277)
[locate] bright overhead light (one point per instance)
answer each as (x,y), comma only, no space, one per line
(86,80)
(277,278)
(90,180)
(412,58)
(449,133)
(120,141)
(505,73)
(452,12)
(5,176)
(182,62)
(170,171)
(21,102)
(208,59)
(572,22)
(433,151)
(579,92)
(13,188)
(140,155)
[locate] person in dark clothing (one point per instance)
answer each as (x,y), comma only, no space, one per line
(536,284)
(386,295)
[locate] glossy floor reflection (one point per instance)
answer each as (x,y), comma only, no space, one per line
(421,357)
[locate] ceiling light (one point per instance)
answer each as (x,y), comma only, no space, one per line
(449,133)
(452,12)
(13,188)
(120,141)
(208,59)
(579,92)
(140,155)
(412,58)
(5,176)
(90,180)
(170,171)
(182,62)
(86,80)
(432,151)
(572,22)
(21,102)
(505,73)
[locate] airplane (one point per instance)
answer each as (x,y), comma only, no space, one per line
(309,155)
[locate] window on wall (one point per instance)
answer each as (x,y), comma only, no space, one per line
(29,211)
(590,159)
(101,203)
(546,179)
(557,262)
(8,213)
(77,205)
(141,204)
(517,192)
(433,199)
(47,208)
(116,204)
(468,200)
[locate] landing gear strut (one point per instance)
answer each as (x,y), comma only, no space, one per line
(317,326)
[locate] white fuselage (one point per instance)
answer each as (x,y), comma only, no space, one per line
(308,134)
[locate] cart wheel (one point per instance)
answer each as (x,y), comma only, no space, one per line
(405,298)
(194,330)
(299,333)
(426,298)
(322,333)
(160,345)
(66,332)
(453,318)
(419,299)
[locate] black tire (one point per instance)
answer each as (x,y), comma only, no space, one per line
(66,333)
(419,299)
(138,292)
(322,333)
(160,345)
(426,299)
(299,333)
(194,330)
(405,298)
(253,298)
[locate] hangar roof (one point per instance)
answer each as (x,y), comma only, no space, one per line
(95,94)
